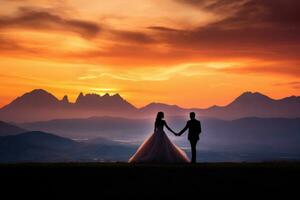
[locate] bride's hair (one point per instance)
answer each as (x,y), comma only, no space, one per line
(159,116)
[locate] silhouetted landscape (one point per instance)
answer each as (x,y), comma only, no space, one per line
(55,131)
(158,99)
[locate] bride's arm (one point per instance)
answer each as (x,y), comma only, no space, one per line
(169,128)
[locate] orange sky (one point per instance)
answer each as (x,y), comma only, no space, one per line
(186,52)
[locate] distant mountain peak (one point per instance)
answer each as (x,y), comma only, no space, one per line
(39,93)
(155,107)
(80,97)
(251,96)
(162,104)
(117,95)
(96,101)
(65,99)
(35,98)
(297,98)
(249,93)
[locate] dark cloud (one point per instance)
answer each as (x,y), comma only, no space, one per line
(252,28)
(11,46)
(293,70)
(131,36)
(275,10)
(7,44)
(132,55)
(39,19)
(215,5)
(161,28)
(259,29)
(263,13)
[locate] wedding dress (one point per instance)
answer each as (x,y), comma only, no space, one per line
(159,149)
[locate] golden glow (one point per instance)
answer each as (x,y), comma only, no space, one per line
(144,50)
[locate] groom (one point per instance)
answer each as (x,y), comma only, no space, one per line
(194,127)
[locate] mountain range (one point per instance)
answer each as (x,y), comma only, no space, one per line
(40,105)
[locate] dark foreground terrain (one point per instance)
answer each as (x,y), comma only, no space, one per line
(141,181)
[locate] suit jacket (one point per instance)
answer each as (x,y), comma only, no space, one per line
(194,127)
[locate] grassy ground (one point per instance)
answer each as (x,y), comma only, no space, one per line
(120,179)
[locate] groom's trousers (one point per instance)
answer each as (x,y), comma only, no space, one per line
(194,151)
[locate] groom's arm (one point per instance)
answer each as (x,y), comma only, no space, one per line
(184,129)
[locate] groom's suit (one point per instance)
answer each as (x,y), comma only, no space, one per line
(194,127)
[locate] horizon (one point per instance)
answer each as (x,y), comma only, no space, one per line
(149,103)
(189,53)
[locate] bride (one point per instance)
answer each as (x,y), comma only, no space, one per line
(158,148)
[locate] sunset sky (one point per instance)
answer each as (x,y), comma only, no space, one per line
(193,53)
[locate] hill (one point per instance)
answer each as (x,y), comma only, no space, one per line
(39,146)
(9,129)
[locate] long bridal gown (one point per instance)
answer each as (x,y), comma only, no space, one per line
(159,149)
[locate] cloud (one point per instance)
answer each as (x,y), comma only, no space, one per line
(155,74)
(137,74)
(161,28)
(7,44)
(290,70)
(243,29)
(259,29)
(29,18)
(215,5)
(264,29)
(133,36)
(293,84)
(11,46)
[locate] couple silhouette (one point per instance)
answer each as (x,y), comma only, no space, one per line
(159,149)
